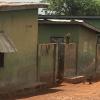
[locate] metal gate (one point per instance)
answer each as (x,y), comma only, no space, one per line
(55,61)
(70,62)
(98,59)
(47,63)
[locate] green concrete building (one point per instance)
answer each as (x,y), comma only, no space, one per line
(18,44)
(83,59)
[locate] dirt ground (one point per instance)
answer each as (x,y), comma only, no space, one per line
(64,92)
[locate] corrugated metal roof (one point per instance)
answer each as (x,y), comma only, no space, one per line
(6,6)
(6,45)
(77,22)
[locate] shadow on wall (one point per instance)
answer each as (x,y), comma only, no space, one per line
(27,93)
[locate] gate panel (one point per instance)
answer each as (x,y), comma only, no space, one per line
(60,63)
(86,61)
(70,60)
(47,63)
(98,59)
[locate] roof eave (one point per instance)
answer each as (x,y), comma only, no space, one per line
(16,6)
(91,27)
(73,22)
(67,17)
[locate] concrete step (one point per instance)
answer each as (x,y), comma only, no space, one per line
(75,79)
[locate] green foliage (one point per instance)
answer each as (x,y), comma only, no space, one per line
(73,7)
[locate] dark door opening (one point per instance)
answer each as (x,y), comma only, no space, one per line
(1,59)
(60,68)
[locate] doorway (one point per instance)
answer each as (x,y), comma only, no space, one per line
(60,68)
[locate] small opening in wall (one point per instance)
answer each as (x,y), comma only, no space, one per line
(1,60)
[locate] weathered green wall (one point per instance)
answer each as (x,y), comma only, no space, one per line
(84,38)
(86,51)
(20,67)
(58,30)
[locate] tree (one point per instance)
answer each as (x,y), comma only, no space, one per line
(73,7)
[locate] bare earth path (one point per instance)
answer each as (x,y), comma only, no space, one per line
(64,92)
(69,92)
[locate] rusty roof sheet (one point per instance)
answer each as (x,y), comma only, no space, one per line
(6,6)
(6,45)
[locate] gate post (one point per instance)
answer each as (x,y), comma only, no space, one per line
(54,63)
(96,58)
(76,73)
